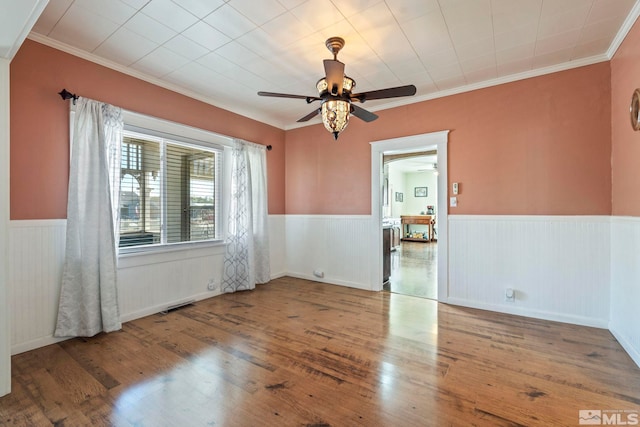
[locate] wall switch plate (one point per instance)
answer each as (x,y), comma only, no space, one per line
(453,202)
(455,188)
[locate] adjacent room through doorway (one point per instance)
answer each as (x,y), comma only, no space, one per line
(409,207)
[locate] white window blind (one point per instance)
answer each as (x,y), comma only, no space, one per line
(169,191)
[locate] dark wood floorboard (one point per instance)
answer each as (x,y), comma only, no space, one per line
(300,353)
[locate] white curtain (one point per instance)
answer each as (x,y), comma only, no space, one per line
(88,297)
(246,259)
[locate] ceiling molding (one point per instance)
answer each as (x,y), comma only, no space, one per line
(30,19)
(624,30)
(145,77)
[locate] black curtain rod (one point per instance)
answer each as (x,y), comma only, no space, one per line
(65,94)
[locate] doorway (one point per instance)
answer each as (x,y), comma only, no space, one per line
(413,197)
(412,144)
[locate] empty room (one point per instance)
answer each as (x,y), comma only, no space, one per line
(319,212)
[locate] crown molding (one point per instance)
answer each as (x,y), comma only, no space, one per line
(624,30)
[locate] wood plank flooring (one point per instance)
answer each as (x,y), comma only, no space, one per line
(414,270)
(300,353)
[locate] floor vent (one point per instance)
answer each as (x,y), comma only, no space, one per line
(177,306)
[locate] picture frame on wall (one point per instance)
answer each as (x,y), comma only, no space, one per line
(399,197)
(420,191)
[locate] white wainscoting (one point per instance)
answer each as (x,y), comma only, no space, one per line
(625,284)
(147,283)
(36,255)
(557,265)
(277,245)
(337,245)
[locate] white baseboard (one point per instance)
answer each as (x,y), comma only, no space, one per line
(634,353)
(329,281)
(536,314)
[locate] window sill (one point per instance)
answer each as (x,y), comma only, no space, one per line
(156,254)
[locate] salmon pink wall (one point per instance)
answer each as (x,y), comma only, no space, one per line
(540,146)
(40,125)
(625,78)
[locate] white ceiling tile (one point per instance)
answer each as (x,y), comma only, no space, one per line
(562,22)
(552,58)
(193,76)
(51,15)
(138,4)
(344,29)
(450,82)
(199,8)
(514,67)
(408,10)
(160,62)
(205,35)
(237,53)
(295,29)
(479,63)
(258,12)
(114,10)
(428,34)
(591,48)
(480,75)
(169,14)
(83,28)
(610,9)
(372,18)
(599,29)
(349,8)
(186,47)
(439,73)
(507,40)
(231,71)
(511,15)
(258,41)
(476,48)
(137,47)
(230,22)
(318,14)
(516,53)
(557,42)
(147,27)
(405,68)
(291,4)
(442,58)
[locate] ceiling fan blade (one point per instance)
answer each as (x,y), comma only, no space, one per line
(309,116)
(392,92)
(363,114)
(334,73)
(309,99)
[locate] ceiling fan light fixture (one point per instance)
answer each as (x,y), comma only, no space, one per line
(335,115)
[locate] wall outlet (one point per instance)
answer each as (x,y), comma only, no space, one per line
(509,295)
(212,285)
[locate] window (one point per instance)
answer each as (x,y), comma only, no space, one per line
(169,191)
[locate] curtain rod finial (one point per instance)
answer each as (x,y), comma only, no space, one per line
(65,94)
(269,147)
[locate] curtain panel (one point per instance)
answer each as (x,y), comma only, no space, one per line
(88,296)
(246,260)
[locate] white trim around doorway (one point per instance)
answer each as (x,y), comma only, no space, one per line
(409,144)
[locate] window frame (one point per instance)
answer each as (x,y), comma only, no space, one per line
(191,136)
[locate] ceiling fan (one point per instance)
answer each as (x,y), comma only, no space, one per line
(336,97)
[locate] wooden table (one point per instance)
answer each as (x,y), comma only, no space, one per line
(408,220)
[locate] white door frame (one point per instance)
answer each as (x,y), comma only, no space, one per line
(414,143)
(5,331)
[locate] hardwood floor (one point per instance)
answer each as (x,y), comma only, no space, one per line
(300,353)
(414,270)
